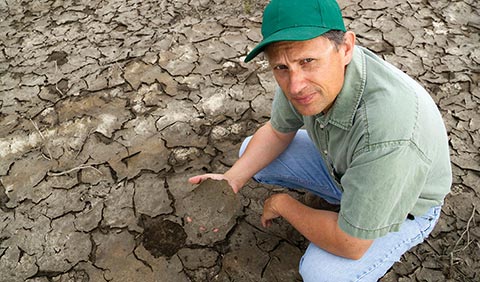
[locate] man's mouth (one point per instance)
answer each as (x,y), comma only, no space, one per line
(304,100)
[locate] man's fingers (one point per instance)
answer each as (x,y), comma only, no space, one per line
(266,222)
(215,176)
(269,211)
(195,179)
(200,178)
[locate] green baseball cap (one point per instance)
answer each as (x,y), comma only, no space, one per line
(297,20)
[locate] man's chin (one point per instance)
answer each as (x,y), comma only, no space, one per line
(307,111)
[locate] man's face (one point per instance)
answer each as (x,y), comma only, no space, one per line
(310,73)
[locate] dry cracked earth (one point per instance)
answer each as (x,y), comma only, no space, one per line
(107,107)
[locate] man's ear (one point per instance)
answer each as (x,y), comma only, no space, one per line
(348,46)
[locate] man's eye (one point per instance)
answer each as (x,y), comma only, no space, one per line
(280,67)
(307,60)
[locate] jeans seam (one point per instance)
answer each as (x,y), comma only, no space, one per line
(431,220)
(422,229)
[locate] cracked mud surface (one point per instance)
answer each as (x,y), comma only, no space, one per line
(107,107)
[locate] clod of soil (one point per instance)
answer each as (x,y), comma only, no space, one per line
(163,237)
(209,212)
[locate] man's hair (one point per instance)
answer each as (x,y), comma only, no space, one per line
(335,36)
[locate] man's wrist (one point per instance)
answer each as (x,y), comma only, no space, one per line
(234,181)
(280,201)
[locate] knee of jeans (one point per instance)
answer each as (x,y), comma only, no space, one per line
(312,271)
(302,268)
(244,146)
(313,268)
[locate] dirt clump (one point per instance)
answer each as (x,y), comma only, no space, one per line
(209,211)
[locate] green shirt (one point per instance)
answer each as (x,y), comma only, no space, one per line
(384,142)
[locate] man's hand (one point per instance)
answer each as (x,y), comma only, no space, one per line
(318,226)
(269,210)
(215,176)
(264,147)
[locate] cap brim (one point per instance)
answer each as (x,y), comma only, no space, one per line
(289,34)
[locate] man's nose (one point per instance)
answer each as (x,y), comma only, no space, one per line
(296,82)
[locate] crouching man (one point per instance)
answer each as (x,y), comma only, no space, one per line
(373,142)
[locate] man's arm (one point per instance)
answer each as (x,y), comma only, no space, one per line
(318,226)
(264,147)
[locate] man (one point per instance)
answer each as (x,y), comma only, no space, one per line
(374,143)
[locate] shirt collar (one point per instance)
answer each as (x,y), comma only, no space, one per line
(342,112)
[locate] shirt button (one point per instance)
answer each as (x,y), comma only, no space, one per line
(322,126)
(325,152)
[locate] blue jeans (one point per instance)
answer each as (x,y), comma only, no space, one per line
(301,167)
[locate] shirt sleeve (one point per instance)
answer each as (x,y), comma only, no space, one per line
(381,187)
(284,117)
